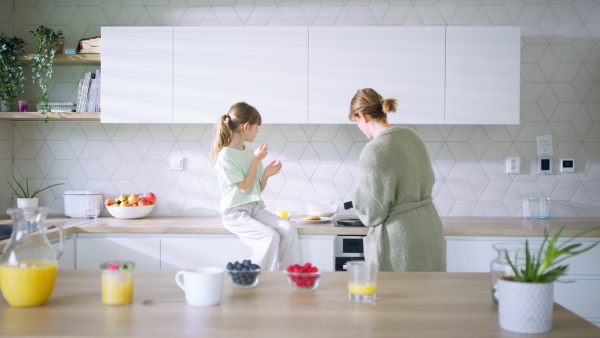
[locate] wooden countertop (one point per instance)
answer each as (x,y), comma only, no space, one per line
(409,304)
(213,225)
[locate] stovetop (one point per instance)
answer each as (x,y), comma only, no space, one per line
(347,221)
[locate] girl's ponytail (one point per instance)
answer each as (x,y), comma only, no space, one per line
(222,137)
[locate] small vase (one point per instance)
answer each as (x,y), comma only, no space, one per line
(4,107)
(525,307)
(27,203)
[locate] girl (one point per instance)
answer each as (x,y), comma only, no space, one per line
(242,178)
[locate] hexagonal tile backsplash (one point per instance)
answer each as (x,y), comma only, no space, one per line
(560,96)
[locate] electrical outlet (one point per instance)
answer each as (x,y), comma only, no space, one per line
(513,165)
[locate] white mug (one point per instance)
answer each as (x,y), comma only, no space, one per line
(202,286)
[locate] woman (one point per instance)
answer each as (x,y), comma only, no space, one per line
(393,191)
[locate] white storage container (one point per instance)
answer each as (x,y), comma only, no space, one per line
(76,200)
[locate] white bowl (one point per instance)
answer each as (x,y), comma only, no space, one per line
(130,212)
(321,210)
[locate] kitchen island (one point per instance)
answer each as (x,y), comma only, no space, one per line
(408,305)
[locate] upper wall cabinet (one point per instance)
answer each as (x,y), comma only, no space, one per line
(482,75)
(216,67)
(137,75)
(406,63)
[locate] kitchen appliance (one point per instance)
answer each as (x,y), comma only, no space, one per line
(347,248)
(347,220)
(75,201)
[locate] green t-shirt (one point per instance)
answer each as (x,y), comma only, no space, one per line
(232,167)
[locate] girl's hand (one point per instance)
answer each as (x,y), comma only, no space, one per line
(272,169)
(262,151)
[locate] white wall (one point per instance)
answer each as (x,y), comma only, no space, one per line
(560,76)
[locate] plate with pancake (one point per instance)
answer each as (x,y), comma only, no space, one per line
(310,219)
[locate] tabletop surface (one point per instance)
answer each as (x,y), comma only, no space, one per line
(409,304)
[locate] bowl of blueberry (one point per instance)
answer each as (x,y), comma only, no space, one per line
(244,274)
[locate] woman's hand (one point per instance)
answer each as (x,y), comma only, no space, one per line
(272,169)
(261,152)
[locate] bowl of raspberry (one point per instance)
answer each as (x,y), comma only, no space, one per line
(303,277)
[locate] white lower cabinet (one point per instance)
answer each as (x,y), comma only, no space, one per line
(144,252)
(582,296)
(217,250)
(67,259)
(318,251)
(207,250)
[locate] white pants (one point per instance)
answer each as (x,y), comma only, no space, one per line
(273,240)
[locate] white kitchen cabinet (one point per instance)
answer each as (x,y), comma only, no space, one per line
(217,250)
(206,250)
(215,67)
(318,250)
(67,259)
(482,75)
(474,254)
(144,252)
(137,75)
(407,63)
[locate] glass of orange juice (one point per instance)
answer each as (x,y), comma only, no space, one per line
(362,281)
(282,211)
(117,282)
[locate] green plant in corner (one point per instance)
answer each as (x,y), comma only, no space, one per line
(25,191)
(11,72)
(541,267)
(46,43)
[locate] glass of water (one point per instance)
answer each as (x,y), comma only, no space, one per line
(92,210)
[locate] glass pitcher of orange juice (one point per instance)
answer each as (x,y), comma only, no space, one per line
(28,264)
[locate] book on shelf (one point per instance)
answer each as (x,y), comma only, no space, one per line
(88,93)
(90,45)
(60,107)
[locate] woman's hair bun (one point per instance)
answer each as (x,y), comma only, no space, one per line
(388,105)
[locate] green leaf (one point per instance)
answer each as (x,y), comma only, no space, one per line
(538,270)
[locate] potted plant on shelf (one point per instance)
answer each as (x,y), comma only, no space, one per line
(47,41)
(526,299)
(24,198)
(11,72)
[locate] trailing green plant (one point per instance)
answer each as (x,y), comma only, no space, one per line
(25,191)
(542,267)
(11,72)
(46,43)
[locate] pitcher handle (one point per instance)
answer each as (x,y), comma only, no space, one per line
(61,237)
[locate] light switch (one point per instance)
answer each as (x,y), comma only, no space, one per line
(545,165)
(177,163)
(567,165)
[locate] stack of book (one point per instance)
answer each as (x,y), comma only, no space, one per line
(60,107)
(90,45)
(88,95)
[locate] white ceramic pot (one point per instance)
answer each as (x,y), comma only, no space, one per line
(525,307)
(27,203)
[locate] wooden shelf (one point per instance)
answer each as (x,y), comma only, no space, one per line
(68,59)
(35,116)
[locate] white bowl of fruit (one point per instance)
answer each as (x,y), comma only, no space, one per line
(128,206)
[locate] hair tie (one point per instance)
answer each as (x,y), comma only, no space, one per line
(227,119)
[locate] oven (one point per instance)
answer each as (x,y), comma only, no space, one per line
(348,248)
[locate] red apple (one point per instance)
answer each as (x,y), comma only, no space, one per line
(150,197)
(109,202)
(143,201)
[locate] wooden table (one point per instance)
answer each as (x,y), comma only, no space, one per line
(408,305)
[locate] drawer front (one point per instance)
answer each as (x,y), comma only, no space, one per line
(581,297)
